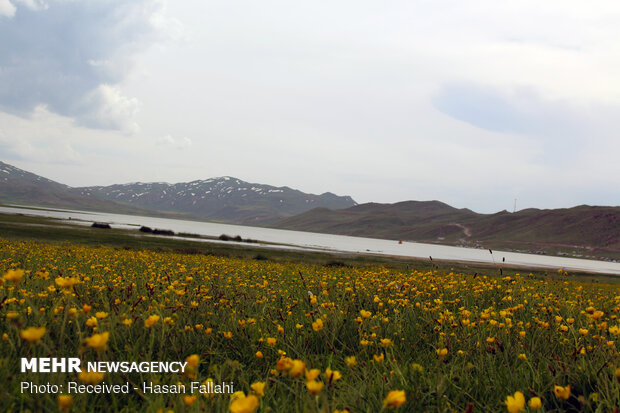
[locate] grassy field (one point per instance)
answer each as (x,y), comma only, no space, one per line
(320,338)
(23,227)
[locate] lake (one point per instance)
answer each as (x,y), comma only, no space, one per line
(325,242)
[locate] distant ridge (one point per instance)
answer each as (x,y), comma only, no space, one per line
(22,187)
(580,231)
(224,199)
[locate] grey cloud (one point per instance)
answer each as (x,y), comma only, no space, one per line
(521,111)
(559,129)
(69,56)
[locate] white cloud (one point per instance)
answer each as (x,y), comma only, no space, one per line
(107,108)
(7,9)
(56,152)
(43,138)
(33,4)
(171,27)
(169,141)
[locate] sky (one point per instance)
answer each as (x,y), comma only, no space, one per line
(473,103)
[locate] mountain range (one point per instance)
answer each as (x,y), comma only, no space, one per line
(591,231)
(223,199)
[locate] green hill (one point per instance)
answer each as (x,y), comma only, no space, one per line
(584,230)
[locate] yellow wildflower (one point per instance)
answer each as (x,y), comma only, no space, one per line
(258,388)
(332,375)
(535,403)
(597,315)
(189,400)
(151,320)
(208,383)
(314,387)
(297,368)
(394,398)
(386,342)
(66,282)
(350,361)
(317,325)
(13,276)
(562,392)
(244,404)
(101,315)
(193,360)
(312,374)
(10,315)
(90,377)
(98,341)
(32,334)
(64,402)
(515,403)
(192,366)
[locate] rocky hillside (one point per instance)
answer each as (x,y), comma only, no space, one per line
(224,199)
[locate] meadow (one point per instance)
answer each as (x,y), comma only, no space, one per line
(304,337)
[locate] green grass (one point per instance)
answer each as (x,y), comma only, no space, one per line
(420,311)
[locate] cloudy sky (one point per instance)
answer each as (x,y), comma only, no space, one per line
(472,103)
